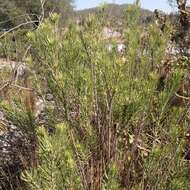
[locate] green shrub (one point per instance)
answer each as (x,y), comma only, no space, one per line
(57,168)
(121,132)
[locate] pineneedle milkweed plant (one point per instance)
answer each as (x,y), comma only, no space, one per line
(123,132)
(57,168)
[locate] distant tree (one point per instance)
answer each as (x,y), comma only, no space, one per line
(34,6)
(13,12)
(8,13)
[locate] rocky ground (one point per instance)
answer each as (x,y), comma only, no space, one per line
(16,148)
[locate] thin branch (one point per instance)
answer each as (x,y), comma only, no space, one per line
(7,83)
(184,114)
(21,87)
(16,27)
(183,97)
(24,15)
(81,169)
(28,48)
(42,2)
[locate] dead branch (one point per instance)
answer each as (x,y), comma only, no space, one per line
(17,27)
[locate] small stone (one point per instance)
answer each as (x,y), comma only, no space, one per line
(2,115)
(49,97)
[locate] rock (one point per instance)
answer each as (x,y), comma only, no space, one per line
(39,107)
(49,97)
(1,115)
(16,153)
